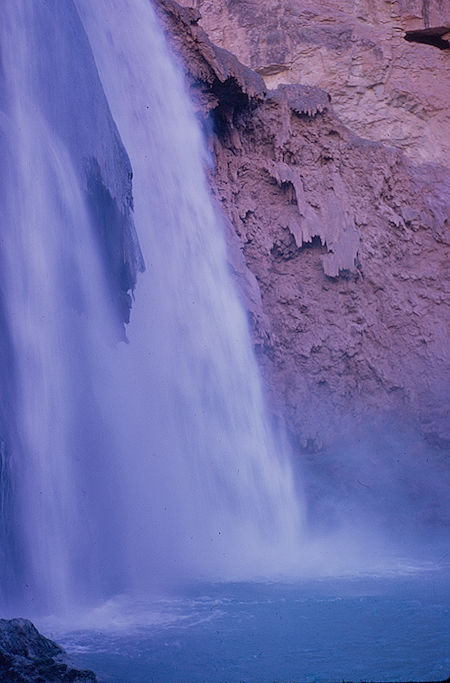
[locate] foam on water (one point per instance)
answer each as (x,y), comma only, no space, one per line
(360,628)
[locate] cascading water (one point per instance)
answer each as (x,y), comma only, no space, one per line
(123,465)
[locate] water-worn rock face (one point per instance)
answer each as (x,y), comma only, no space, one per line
(382,86)
(26,656)
(347,239)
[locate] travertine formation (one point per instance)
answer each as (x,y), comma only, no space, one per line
(382,86)
(345,248)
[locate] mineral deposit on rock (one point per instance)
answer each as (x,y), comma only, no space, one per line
(342,242)
(385,63)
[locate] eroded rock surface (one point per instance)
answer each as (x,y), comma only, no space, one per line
(383,86)
(347,240)
(26,656)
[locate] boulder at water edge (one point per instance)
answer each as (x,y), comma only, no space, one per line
(26,656)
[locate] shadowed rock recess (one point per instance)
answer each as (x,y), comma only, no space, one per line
(341,245)
(376,58)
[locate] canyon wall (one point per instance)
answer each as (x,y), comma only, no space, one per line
(385,63)
(340,242)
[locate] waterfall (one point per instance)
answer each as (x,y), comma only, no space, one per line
(124,463)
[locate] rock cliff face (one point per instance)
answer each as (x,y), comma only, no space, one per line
(345,247)
(385,63)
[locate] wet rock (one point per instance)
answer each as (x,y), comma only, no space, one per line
(28,657)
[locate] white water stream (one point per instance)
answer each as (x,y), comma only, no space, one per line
(143,463)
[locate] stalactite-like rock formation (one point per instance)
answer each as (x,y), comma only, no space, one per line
(345,245)
(384,63)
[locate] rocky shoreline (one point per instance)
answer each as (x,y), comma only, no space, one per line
(26,656)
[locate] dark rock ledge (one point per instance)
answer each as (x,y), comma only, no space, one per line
(26,656)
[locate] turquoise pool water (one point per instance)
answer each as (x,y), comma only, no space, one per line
(391,628)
